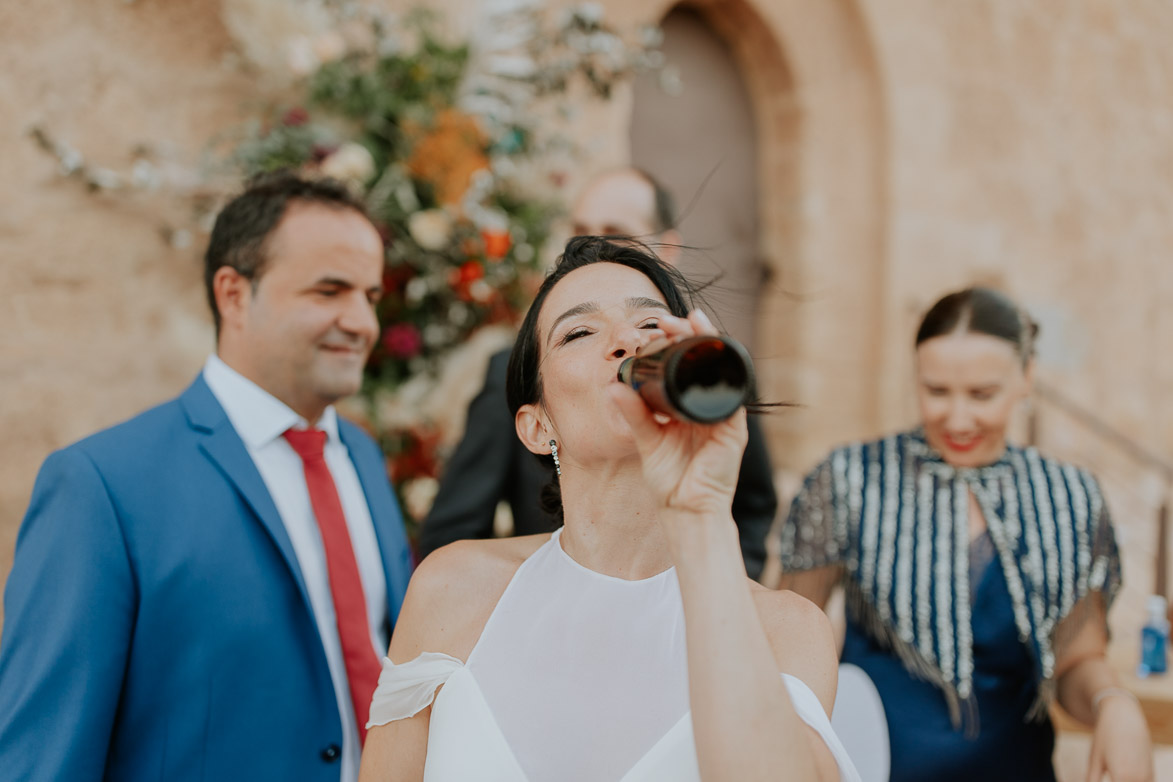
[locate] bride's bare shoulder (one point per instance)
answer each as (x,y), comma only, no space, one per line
(453,592)
(802,639)
(471,568)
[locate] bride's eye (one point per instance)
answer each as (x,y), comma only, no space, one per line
(574,334)
(651,324)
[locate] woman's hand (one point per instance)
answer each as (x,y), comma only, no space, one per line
(691,468)
(1090,691)
(1120,743)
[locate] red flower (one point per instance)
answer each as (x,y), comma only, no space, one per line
(395,278)
(416,457)
(461,279)
(471,271)
(403,340)
(384,232)
(320,152)
(295,117)
(468,273)
(497,244)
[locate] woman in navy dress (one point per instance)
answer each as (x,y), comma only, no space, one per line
(978,574)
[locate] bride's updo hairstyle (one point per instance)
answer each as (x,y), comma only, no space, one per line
(981,311)
(523,384)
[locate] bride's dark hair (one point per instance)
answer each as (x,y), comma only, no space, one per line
(523,384)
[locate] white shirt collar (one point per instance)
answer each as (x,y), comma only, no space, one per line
(258,416)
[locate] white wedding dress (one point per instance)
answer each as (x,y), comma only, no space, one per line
(577,677)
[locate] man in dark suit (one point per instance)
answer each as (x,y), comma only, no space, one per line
(490,464)
(204,591)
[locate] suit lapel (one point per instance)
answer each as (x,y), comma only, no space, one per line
(223,446)
(385,515)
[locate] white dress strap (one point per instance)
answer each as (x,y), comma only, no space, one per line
(407,689)
(810,710)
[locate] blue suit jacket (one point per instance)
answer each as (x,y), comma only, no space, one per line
(156,623)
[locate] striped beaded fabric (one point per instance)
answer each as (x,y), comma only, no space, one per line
(894,515)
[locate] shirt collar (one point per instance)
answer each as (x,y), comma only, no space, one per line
(258,416)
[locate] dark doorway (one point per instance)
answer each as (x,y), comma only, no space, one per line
(700,142)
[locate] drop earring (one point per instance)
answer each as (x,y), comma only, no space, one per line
(554,453)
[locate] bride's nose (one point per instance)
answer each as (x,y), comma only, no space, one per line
(627,341)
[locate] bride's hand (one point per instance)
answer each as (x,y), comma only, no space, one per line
(690,467)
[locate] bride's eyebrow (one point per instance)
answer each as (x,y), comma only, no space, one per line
(644,303)
(586,308)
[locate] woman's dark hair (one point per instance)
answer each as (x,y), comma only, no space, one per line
(523,383)
(981,311)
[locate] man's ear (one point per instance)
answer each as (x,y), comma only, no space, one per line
(233,292)
(532,429)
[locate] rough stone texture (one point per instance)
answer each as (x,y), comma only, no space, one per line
(1030,147)
(909,147)
(103,319)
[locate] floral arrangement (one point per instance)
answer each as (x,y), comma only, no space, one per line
(445,140)
(452,143)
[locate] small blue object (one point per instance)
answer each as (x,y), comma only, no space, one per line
(1154,639)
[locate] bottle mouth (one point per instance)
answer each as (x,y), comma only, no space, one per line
(714,377)
(624,373)
(704,379)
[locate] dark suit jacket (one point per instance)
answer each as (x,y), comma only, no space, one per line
(156,622)
(490,465)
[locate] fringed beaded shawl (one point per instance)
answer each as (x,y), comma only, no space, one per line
(895,515)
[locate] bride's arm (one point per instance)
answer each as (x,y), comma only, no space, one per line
(395,752)
(447,604)
(745,725)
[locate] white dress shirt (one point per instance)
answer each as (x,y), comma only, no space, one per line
(260,419)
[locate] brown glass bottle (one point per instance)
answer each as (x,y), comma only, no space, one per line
(700,379)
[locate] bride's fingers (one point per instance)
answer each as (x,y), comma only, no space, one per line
(701,323)
(674,328)
(656,344)
(734,429)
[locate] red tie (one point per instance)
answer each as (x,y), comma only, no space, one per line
(350,606)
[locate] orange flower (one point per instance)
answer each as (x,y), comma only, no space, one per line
(497,244)
(448,154)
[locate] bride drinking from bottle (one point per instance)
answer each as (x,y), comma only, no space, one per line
(629,644)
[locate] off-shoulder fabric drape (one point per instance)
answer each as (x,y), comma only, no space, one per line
(576,676)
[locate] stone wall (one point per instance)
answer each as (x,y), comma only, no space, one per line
(103,317)
(1031,145)
(106,317)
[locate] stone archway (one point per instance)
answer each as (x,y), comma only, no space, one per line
(817,105)
(700,143)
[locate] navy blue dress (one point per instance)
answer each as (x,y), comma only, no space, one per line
(925,745)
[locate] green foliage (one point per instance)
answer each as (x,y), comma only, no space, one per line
(433,138)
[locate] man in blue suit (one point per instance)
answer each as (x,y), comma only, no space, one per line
(197,594)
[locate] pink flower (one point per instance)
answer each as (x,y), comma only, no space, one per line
(320,152)
(402,340)
(295,117)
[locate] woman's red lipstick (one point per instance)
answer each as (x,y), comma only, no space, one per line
(956,445)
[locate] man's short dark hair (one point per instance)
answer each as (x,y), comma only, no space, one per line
(665,206)
(244,226)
